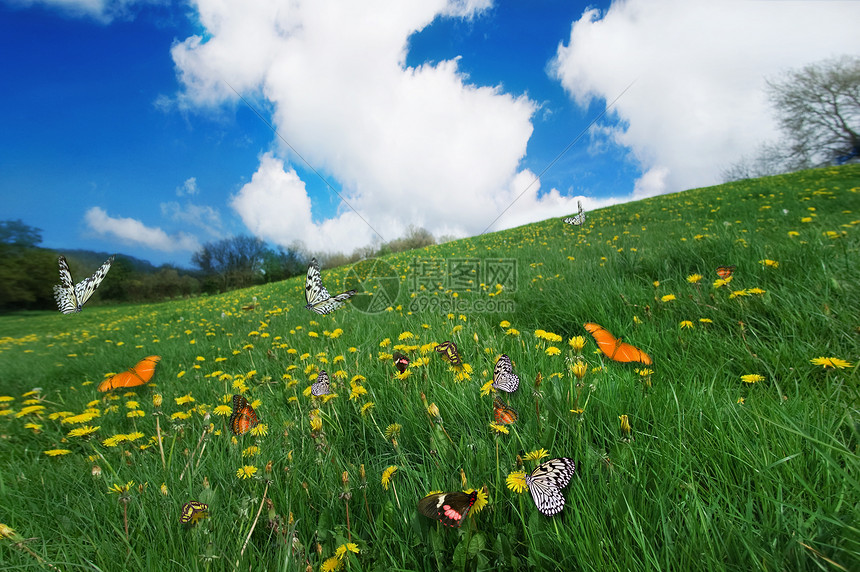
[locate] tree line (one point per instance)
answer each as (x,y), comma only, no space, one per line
(29,272)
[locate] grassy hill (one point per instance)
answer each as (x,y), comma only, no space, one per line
(742,449)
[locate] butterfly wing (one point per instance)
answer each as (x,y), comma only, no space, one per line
(321,387)
(244,418)
(85,288)
(141,373)
(193,511)
(450,509)
(331,304)
(315,292)
(579,218)
(317,297)
(504,413)
(725,271)
(448,351)
(614,348)
(547,480)
(504,377)
(64,292)
(401,362)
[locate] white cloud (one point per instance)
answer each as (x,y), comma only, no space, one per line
(189,187)
(104,11)
(406,145)
(132,231)
(275,206)
(201,216)
(698,103)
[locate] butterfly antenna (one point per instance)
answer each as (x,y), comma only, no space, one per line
(560,155)
(305,161)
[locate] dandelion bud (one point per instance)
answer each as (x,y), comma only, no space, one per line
(579,369)
(362,474)
(625,425)
(157,399)
(164,489)
(463,478)
(433,410)
(345,478)
(269,467)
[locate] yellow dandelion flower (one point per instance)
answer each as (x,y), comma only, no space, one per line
(136,413)
(752,378)
(516,481)
(251,451)
(512,332)
(134,436)
(498,428)
(770,263)
(481,500)
(246,472)
(7,532)
(706,320)
(387,474)
(84,431)
(830,362)
(577,343)
(694,278)
(57,452)
(667,298)
(738,293)
(366,408)
(261,430)
(504,324)
(331,564)
(487,388)
(223,410)
(181,415)
(536,455)
(552,351)
(687,324)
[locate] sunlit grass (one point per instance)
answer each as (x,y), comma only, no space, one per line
(736,449)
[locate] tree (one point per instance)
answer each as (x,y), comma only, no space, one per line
(16,233)
(236,261)
(818,110)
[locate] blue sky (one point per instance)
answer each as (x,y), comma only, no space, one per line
(120,133)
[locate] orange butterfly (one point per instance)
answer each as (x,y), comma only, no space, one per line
(503,413)
(614,348)
(138,375)
(725,271)
(244,418)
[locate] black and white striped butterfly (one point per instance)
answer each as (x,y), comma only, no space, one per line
(318,298)
(321,387)
(448,508)
(504,377)
(547,480)
(71,297)
(577,219)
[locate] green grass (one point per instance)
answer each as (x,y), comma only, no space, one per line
(702,483)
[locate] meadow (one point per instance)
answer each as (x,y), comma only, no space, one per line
(737,449)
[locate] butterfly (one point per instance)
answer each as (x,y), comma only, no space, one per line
(504,413)
(448,508)
(244,418)
(193,511)
(577,219)
(725,271)
(504,377)
(321,387)
(401,362)
(141,373)
(614,348)
(318,298)
(448,351)
(547,480)
(71,298)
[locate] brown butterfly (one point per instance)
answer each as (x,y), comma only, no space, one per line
(244,418)
(504,413)
(725,271)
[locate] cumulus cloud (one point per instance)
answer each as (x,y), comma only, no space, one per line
(132,231)
(698,103)
(104,11)
(405,145)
